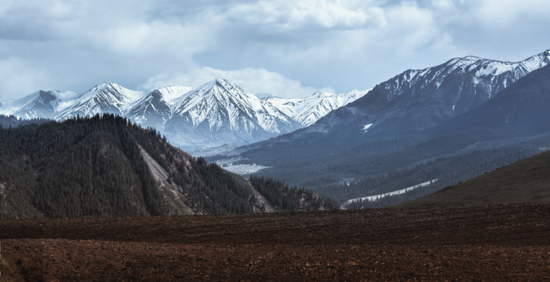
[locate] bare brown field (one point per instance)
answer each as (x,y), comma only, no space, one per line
(462,243)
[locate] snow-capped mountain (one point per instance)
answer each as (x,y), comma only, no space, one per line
(41,104)
(172,92)
(221,112)
(522,106)
(107,97)
(308,110)
(152,110)
(419,99)
(155,108)
(420,121)
(216,113)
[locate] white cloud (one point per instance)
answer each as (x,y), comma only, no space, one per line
(410,26)
(20,78)
(284,16)
(251,80)
(141,39)
(506,13)
(346,44)
(443,4)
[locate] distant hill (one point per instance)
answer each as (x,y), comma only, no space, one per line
(108,166)
(527,180)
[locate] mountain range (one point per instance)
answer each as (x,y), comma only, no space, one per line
(426,128)
(214,114)
(449,122)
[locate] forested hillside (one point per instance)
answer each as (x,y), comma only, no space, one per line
(525,181)
(293,198)
(107,166)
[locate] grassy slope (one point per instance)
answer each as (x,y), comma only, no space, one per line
(527,180)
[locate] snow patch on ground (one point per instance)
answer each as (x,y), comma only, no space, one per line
(241,169)
(366,127)
(394,193)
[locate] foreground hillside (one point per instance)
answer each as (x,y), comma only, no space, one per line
(107,166)
(474,243)
(525,181)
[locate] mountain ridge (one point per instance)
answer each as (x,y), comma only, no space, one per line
(247,118)
(398,150)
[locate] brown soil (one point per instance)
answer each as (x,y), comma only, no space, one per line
(480,243)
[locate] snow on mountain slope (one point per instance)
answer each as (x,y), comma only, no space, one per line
(310,109)
(216,113)
(222,112)
(389,194)
(173,92)
(420,99)
(152,110)
(107,97)
(489,76)
(41,104)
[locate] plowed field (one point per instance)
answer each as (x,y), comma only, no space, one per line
(469,243)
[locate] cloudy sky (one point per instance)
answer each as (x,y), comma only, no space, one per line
(286,48)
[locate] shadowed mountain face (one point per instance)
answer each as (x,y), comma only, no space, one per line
(152,110)
(421,99)
(525,181)
(524,106)
(42,107)
(394,138)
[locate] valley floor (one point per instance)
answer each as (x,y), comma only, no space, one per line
(495,243)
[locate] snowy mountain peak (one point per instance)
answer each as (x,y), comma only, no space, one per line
(225,85)
(310,109)
(104,86)
(152,110)
(114,90)
(174,92)
(107,97)
(40,104)
(221,107)
(216,113)
(486,67)
(471,58)
(424,98)
(491,75)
